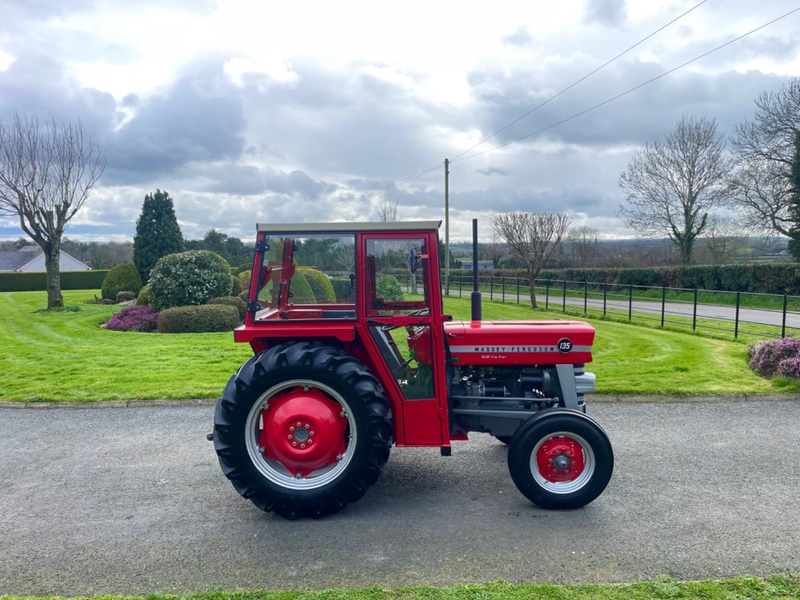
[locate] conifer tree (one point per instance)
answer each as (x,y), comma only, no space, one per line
(157,232)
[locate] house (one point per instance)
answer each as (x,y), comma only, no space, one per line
(30,259)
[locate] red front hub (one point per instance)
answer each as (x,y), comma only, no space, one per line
(560,459)
(303,430)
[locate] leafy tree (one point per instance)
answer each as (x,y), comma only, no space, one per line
(764,183)
(533,238)
(46,174)
(672,185)
(157,233)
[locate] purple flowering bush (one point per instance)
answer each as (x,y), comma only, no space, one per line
(767,358)
(134,318)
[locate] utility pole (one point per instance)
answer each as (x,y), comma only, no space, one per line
(446,227)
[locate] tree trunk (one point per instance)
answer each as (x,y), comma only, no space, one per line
(52,256)
(532,281)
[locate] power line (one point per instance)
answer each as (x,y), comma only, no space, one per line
(585,77)
(633,89)
(566,89)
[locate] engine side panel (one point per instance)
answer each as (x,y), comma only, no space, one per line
(519,342)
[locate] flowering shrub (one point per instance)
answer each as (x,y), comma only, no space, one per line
(189,278)
(768,355)
(134,318)
(789,367)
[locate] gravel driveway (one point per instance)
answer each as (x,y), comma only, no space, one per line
(132,501)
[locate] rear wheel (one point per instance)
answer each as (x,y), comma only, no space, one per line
(302,429)
(560,459)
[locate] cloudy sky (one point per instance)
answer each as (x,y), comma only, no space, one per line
(258,111)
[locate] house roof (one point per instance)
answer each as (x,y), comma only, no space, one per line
(11,261)
(18,259)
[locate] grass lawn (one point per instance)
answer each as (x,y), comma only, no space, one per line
(778,587)
(66,356)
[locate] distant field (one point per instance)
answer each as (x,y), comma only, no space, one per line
(67,356)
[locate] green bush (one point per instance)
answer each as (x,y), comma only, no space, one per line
(124,297)
(320,285)
(143,299)
(122,278)
(300,290)
(235,301)
(389,289)
(236,285)
(188,278)
(198,319)
(245,277)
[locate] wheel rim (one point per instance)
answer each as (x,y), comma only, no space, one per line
(300,434)
(562,462)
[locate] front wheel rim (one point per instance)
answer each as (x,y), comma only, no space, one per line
(562,462)
(272,465)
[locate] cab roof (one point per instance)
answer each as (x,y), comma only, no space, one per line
(347,227)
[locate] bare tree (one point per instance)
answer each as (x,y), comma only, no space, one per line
(533,238)
(583,245)
(765,150)
(722,240)
(46,175)
(672,185)
(387,210)
(494,251)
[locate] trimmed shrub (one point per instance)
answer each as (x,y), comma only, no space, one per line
(300,290)
(245,277)
(237,287)
(234,301)
(124,297)
(122,278)
(189,279)
(133,318)
(320,285)
(36,282)
(198,319)
(389,289)
(143,299)
(767,356)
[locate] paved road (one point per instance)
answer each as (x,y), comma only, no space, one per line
(131,501)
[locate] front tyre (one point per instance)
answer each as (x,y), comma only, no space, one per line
(302,429)
(560,459)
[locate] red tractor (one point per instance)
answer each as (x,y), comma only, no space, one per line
(353,354)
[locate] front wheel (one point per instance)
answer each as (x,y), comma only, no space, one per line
(302,429)
(560,459)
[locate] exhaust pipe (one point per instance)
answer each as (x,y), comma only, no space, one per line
(475,297)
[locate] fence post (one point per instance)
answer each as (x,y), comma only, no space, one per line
(694,312)
(459,284)
(585,296)
(663,302)
(503,283)
(605,297)
(517,289)
(630,301)
(547,295)
(491,287)
(736,325)
(564,297)
(783,324)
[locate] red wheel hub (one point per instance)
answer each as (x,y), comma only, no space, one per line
(560,459)
(304,430)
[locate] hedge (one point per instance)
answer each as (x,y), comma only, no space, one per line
(204,318)
(781,278)
(37,282)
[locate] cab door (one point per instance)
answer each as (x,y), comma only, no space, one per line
(403,319)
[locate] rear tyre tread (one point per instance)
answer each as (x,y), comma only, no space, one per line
(334,367)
